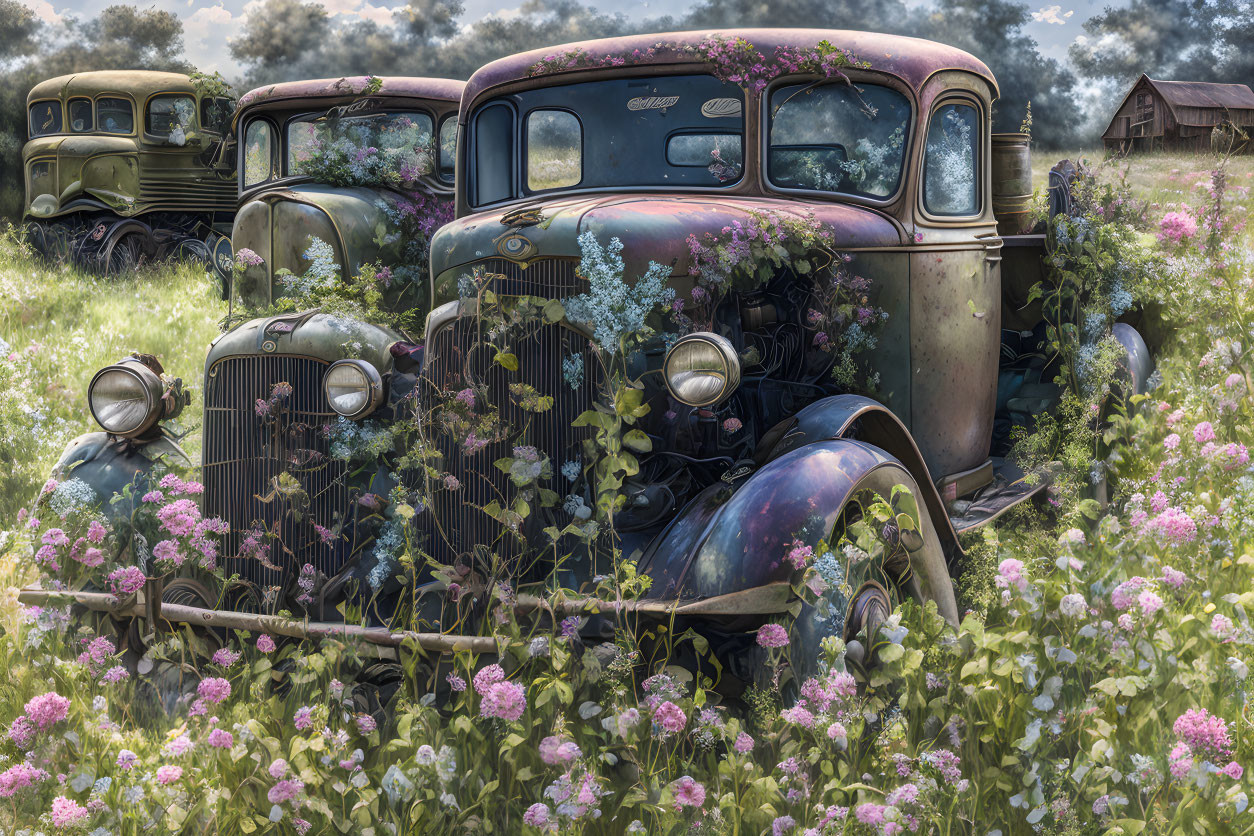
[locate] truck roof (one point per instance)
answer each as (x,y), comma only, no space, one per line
(913,60)
(351,87)
(135,83)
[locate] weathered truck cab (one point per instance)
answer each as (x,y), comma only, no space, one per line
(127,166)
(360,167)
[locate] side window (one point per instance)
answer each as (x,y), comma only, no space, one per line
(172,118)
(115,116)
(448,148)
(45,118)
(494,141)
(215,114)
(554,150)
(951,165)
(81,120)
(258,152)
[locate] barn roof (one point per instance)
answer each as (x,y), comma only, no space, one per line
(1204,94)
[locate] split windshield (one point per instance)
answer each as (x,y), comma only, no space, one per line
(684,131)
(372,149)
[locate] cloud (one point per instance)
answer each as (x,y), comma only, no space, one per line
(204,32)
(44,11)
(1052,14)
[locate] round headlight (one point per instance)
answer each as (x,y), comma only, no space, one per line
(353,388)
(125,398)
(701,369)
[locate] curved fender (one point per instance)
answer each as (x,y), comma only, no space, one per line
(108,464)
(855,416)
(1138,363)
(719,547)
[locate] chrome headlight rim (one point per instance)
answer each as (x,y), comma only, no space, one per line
(150,386)
(727,366)
(372,387)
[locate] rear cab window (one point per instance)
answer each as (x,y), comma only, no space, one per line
(951,161)
(448,148)
(115,116)
(554,150)
(45,118)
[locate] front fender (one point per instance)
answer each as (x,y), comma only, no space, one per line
(727,541)
(108,464)
(855,416)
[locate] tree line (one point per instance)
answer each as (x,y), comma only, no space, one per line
(1206,40)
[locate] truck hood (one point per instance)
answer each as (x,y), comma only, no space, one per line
(652,227)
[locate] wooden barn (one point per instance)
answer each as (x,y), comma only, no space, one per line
(1177,115)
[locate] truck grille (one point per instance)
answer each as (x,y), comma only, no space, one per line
(552,278)
(456,361)
(184,196)
(244,455)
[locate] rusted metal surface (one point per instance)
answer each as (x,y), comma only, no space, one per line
(911,59)
(353,87)
(652,227)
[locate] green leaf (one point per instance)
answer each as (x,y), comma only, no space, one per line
(509,361)
(554,311)
(638,441)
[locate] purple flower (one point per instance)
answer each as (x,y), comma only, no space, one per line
(265,644)
(772,635)
(221,739)
(688,792)
(215,689)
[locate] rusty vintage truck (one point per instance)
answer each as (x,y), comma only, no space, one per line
(793,232)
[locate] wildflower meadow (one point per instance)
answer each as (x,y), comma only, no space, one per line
(1097,683)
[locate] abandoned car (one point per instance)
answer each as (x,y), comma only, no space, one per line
(128,166)
(720,306)
(359,168)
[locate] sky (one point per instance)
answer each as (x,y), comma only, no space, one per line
(207,23)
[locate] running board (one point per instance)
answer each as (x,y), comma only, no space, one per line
(1007,490)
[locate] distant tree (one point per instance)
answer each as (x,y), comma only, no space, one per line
(1188,40)
(992,30)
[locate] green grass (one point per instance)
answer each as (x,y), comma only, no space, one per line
(61,326)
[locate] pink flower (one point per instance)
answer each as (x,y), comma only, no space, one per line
(1233,770)
(278,768)
(1176,227)
(225,657)
(732,425)
(285,790)
(506,700)
(799,554)
(47,709)
(1149,602)
(127,759)
(557,751)
(303,718)
(1180,761)
(221,739)
(870,813)
(743,744)
(538,816)
(1222,626)
(366,724)
(772,635)
(214,689)
(1010,573)
(670,717)
(1174,578)
(265,644)
(837,732)
(1177,526)
(96,532)
(1203,432)
(1203,732)
(126,581)
(19,777)
(688,792)
(67,813)
(487,677)
(455,682)
(1171,442)
(168,774)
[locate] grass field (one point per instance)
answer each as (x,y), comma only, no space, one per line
(1098,686)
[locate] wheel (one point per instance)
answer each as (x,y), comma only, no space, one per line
(122,256)
(892,552)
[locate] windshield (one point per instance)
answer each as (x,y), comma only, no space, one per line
(375,149)
(838,137)
(684,131)
(45,118)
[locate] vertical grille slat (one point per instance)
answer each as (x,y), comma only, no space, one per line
(243,454)
(454,352)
